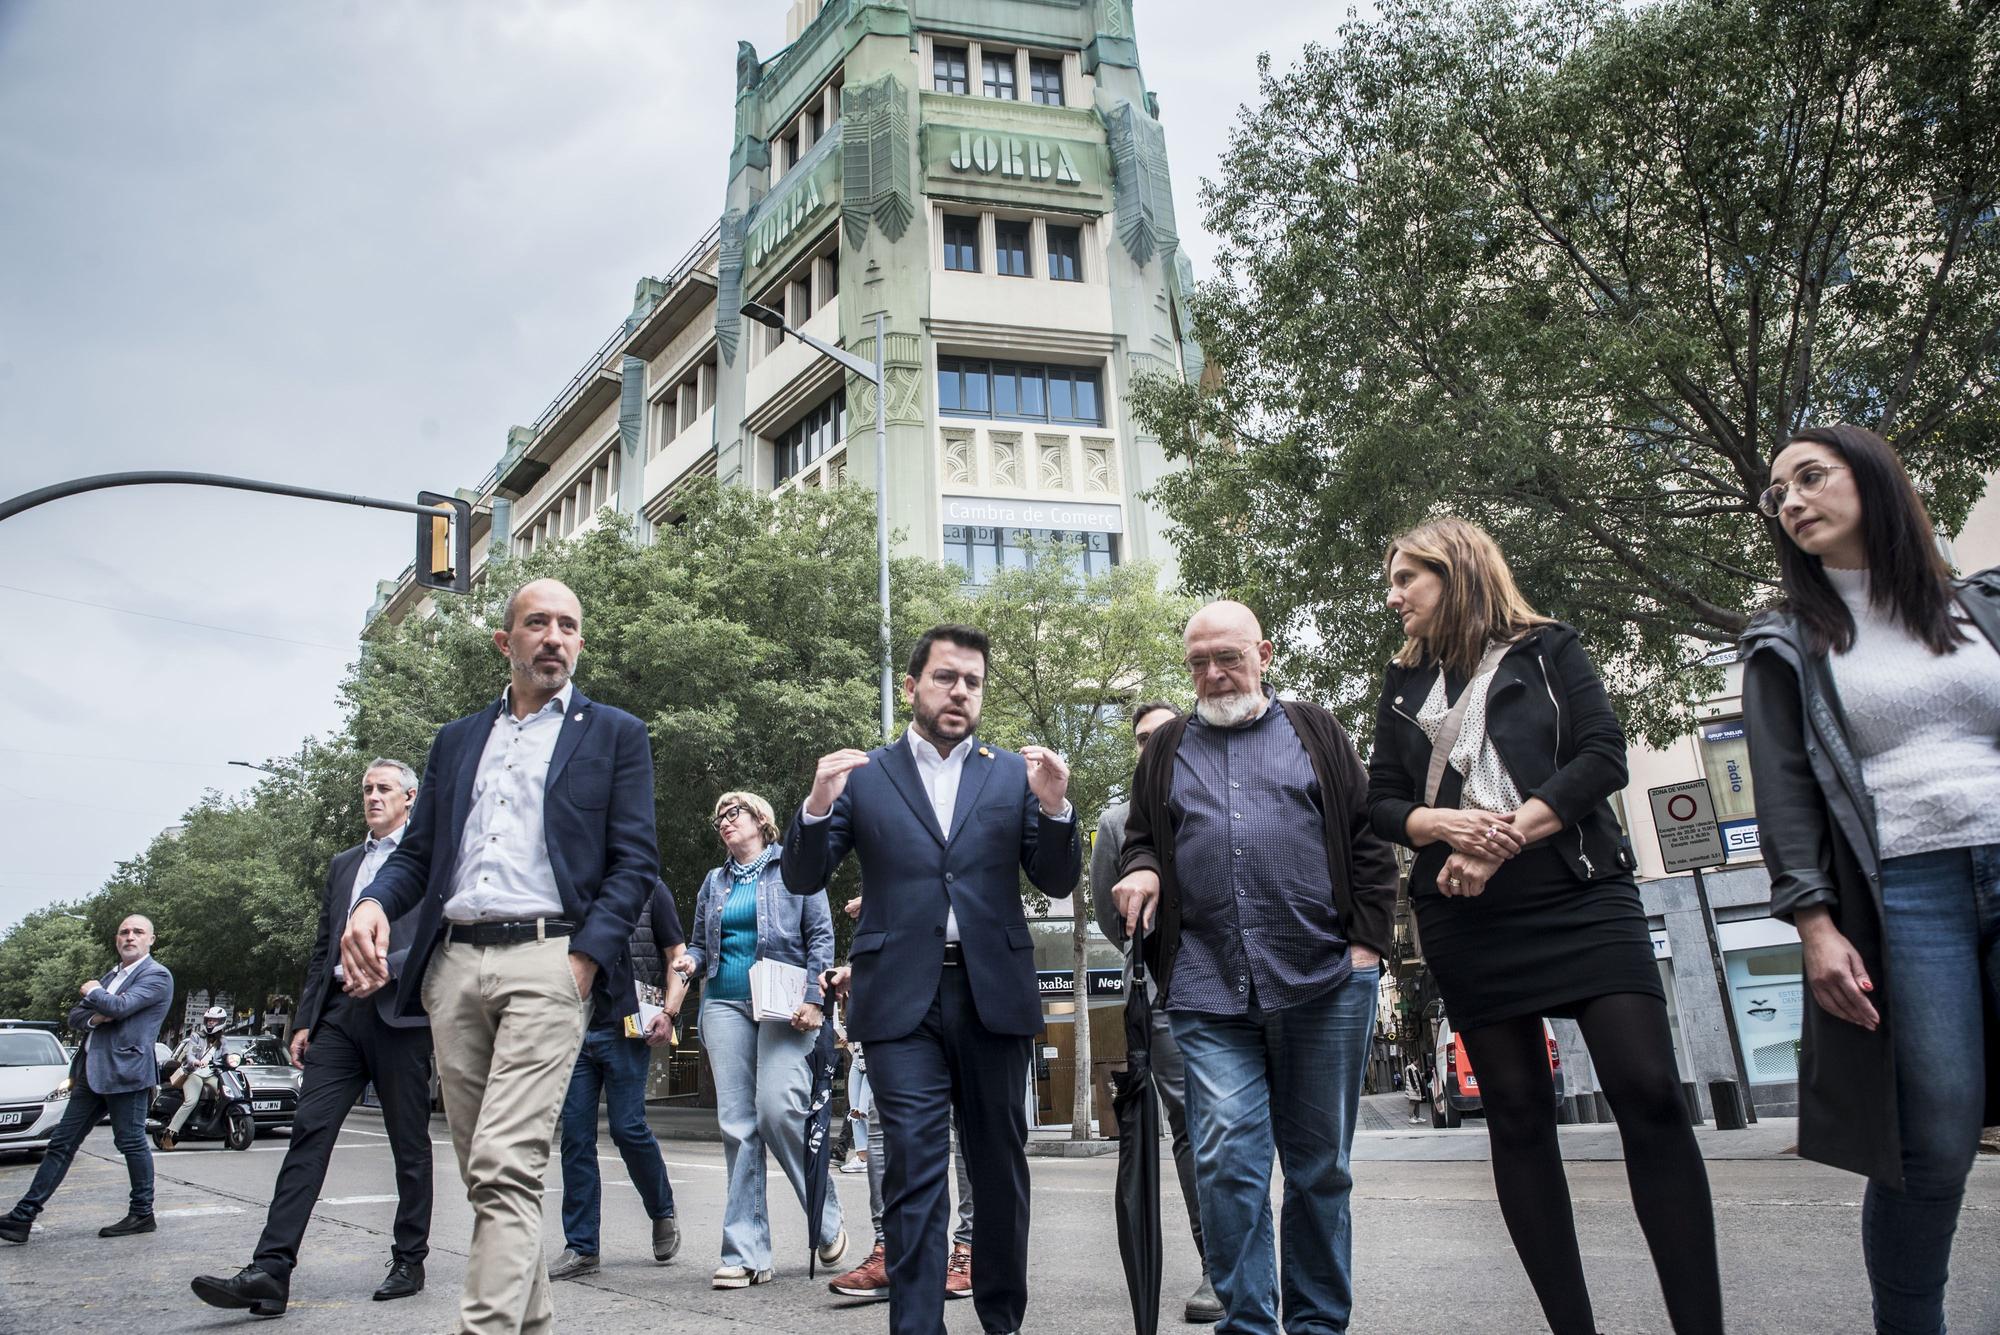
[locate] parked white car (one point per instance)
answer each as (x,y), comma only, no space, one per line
(34,1085)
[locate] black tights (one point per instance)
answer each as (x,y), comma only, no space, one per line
(1633,1053)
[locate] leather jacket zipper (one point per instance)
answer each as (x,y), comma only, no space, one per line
(1589,871)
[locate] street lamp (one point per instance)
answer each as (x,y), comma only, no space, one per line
(247,765)
(876,375)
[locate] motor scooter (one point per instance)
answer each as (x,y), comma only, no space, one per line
(224,1112)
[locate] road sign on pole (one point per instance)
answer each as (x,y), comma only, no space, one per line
(1684,820)
(1690,839)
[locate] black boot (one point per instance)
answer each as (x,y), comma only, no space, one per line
(130,1224)
(404,1280)
(257,1289)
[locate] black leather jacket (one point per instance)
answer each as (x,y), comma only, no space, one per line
(1553,727)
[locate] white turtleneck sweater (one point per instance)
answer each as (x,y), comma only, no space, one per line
(1926,728)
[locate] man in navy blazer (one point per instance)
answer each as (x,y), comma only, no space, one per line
(343,1043)
(114,1072)
(527,857)
(943,967)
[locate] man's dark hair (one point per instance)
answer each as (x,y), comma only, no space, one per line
(1140,711)
(965,637)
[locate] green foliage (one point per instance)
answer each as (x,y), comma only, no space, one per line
(45,958)
(1574,269)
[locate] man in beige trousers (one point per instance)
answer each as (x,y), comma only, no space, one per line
(530,852)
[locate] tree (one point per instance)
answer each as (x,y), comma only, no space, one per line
(1070,657)
(1575,269)
(45,958)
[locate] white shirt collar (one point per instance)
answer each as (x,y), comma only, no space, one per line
(559,702)
(390,839)
(927,753)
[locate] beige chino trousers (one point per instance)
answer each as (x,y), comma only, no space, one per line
(506,1024)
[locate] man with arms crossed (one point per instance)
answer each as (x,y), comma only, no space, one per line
(1249,838)
(343,1042)
(114,1072)
(527,858)
(943,967)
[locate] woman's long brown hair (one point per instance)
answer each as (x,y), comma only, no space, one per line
(1480,604)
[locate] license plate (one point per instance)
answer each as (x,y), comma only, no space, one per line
(266,1105)
(12,1118)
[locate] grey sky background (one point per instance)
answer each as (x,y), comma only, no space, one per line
(343,245)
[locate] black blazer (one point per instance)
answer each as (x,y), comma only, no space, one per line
(1552,724)
(320,983)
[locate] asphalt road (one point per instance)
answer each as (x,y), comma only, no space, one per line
(1431,1253)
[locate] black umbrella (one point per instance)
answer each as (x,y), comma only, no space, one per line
(819,1116)
(1138,1109)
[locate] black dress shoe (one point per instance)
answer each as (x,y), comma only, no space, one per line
(130,1224)
(404,1280)
(13,1229)
(257,1289)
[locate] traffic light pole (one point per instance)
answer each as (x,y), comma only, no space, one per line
(28,500)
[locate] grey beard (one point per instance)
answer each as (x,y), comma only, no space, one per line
(1230,711)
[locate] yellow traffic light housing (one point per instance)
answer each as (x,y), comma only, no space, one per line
(444,543)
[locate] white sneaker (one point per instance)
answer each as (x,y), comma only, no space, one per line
(833,1251)
(738,1277)
(855,1163)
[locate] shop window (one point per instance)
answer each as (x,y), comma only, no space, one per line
(961,243)
(979,552)
(809,439)
(1725,760)
(1066,254)
(996,74)
(1010,247)
(1045,81)
(948,70)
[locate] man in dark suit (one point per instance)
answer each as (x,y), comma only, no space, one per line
(114,1072)
(343,1042)
(943,966)
(528,855)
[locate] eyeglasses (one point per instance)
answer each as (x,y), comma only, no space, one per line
(1808,482)
(1227,659)
(944,679)
(728,814)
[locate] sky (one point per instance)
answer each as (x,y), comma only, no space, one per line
(340,245)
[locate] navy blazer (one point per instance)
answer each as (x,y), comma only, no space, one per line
(118,1055)
(597,818)
(333,910)
(913,874)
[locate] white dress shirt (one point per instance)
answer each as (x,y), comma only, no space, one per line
(503,867)
(374,853)
(119,977)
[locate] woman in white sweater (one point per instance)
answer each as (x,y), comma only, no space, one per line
(1873,706)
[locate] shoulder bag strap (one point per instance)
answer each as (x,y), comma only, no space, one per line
(1448,730)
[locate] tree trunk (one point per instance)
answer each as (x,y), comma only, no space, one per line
(1079,1118)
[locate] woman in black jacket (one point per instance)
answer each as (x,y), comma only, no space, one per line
(1524,896)
(1872,704)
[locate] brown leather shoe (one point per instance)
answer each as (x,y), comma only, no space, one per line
(869,1280)
(958,1272)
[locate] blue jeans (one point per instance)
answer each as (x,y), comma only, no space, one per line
(763,1079)
(1287,1080)
(1941,951)
(617,1065)
(128,1133)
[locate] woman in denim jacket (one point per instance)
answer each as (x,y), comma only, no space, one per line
(744,914)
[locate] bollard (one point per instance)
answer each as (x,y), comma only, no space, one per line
(1727,1097)
(1691,1093)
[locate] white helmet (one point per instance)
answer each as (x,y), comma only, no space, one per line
(214,1016)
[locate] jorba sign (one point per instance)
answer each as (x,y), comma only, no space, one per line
(781,217)
(1014,157)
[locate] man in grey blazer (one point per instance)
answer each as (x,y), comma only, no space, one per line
(114,1072)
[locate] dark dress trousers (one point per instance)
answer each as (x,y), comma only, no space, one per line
(353,1042)
(945,1037)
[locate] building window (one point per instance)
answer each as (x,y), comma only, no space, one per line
(979,552)
(948,70)
(809,439)
(1725,761)
(1045,82)
(1010,247)
(961,243)
(996,74)
(1066,254)
(969,387)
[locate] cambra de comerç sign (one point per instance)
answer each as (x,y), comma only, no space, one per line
(1013,156)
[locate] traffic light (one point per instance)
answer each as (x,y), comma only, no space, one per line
(444,543)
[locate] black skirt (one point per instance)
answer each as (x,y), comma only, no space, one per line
(1537,942)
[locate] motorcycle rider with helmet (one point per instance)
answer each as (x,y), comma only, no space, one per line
(194,1075)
